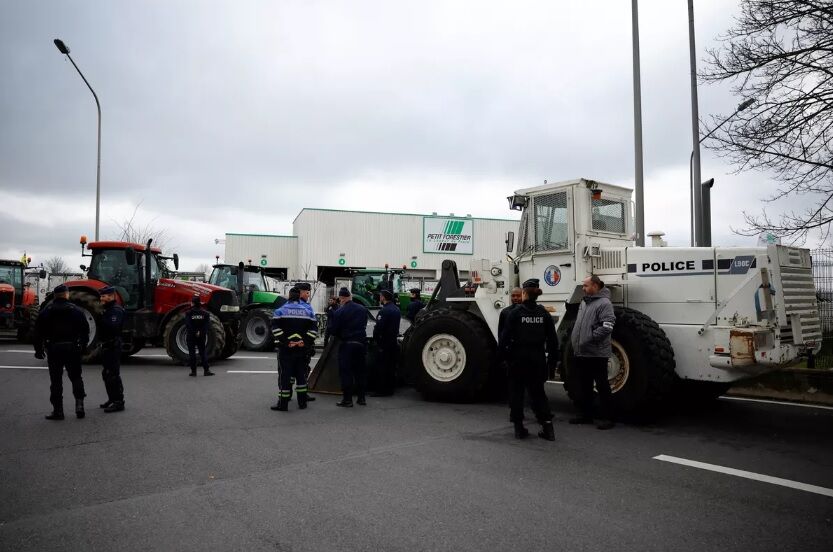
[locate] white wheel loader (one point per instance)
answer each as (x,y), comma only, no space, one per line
(689,320)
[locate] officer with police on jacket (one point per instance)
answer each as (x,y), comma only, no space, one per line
(295,329)
(529,345)
(349,324)
(197,326)
(62,332)
(385,334)
(112,322)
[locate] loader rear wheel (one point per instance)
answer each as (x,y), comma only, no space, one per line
(640,369)
(257,330)
(91,306)
(451,354)
(176,342)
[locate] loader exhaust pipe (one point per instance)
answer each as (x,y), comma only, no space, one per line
(706,206)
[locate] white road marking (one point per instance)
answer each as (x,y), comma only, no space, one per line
(251,371)
(232,357)
(24,367)
(766,401)
(747,475)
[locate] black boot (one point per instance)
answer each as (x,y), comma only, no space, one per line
(520,431)
(547,431)
(310,398)
(116,406)
(282,406)
(302,400)
(193,373)
(79,408)
(207,372)
(105,404)
(57,414)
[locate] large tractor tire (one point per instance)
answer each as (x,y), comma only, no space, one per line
(176,342)
(92,308)
(233,341)
(256,330)
(451,355)
(640,370)
(26,332)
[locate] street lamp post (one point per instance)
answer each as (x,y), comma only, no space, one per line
(64,49)
(706,233)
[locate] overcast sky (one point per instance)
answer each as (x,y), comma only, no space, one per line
(232,116)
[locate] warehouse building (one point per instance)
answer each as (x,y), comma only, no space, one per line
(327,244)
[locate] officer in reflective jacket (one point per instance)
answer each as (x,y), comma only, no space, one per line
(112,322)
(528,342)
(349,324)
(295,329)
(61,330)
(385,334)
(197,326)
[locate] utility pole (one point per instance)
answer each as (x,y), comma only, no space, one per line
(639,203)
(696,188)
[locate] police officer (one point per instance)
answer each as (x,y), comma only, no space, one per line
(414,306)
(349,324)
(515,298)
(332,306)
(295,329)
(385,334)
(306,290)
(112,321)
(197,326)
(529,344)
(62,329)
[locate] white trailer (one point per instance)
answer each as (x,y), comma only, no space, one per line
(690,320)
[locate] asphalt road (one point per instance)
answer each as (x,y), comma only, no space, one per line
(203,464)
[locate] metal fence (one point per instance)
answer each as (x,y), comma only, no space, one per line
(823,277)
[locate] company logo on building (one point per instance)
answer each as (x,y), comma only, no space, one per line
(447,236)
(552,275)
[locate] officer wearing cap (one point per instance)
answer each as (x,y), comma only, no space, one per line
(349,324)
(414,306)
(528,343)
(197,326)
(295,329)
(61,331)
(112,322)
(385,334)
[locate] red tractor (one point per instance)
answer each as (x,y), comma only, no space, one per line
(18,301)
(155,305)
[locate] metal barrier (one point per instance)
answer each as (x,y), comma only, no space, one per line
(823,278)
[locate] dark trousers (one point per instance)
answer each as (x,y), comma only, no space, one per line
(386,368)
(62,356)
(111,372)
(292,366)
(352,370)
(590,370)
(528,377)
(197,343)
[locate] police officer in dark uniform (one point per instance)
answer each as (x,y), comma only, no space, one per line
(528,342)
(385,334)
(295,329)
(349,324)
(332,306)
(197,326)
(61,328)
(112,322)
(414,306)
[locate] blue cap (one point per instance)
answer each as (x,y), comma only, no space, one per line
(344,292)
(386,294)
(107,290)
(60,289)
(531,283)
(303,286)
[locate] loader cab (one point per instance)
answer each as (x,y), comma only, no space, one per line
(227,276)
(563,228)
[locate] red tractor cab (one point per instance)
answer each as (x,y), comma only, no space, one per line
(154,304)
(18,301)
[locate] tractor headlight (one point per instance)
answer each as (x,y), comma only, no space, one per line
(229,308)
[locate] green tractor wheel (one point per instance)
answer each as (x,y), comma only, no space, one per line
(256,330)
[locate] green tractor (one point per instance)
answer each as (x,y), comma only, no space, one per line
(257,303)
(367,283)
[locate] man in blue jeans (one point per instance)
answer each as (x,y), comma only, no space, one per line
(349,324)
(590,339)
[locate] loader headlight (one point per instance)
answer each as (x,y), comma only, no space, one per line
(229,308)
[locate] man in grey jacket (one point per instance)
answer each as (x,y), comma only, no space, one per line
(591,349)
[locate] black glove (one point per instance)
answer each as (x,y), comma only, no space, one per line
(39,355)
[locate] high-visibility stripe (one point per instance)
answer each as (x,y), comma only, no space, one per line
(284,394)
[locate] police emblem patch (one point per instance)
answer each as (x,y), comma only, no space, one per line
(552,275)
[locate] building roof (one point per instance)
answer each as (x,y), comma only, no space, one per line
(261,235)
(400,214)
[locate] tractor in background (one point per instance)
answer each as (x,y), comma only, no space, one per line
(257,303)
(18,300)
(367,283)
(154,304)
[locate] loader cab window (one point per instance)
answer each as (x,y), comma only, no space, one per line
(224,277)
(550,222)
(253,281)
(110,266)
(608,215)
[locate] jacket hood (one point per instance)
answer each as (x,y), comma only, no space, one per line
(604,292)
